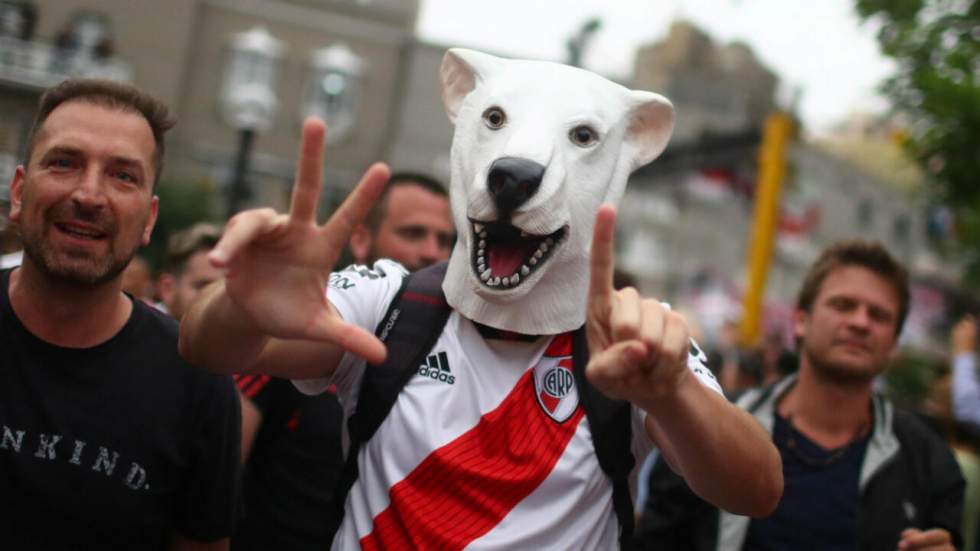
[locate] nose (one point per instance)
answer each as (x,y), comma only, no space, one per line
(512,181)
(860,319)
(89,193)
(431,251)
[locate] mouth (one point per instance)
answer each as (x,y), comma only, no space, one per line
(504,256)
(854,345)
(81,232)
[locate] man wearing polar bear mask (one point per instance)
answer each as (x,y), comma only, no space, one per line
(496,450)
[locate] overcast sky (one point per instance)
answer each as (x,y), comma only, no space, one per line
(820,47)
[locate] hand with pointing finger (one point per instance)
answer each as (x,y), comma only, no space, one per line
(278,264)
(638,348)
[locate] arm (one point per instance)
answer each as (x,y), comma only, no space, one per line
(271,312)
(206,504)
(251,423)
(719,449)
(639,353)
(939,527)
(966,387)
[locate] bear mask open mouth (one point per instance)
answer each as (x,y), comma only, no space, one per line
(505,256)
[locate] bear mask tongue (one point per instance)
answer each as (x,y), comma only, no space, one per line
(506,258)
(508,249)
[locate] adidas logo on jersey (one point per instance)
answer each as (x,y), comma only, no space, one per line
(436,367)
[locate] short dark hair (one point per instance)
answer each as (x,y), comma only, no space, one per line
(865,254)
(399,179)
(182,245)
(107,93)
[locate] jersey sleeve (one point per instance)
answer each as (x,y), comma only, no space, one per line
(361,295)
(697,362)
(207,506)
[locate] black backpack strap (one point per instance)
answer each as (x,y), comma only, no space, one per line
(409,329)
(610,422)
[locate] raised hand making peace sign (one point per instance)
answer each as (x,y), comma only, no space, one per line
(278,264)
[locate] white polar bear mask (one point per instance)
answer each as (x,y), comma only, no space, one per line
(537,148)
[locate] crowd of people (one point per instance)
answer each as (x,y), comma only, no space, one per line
(114,435)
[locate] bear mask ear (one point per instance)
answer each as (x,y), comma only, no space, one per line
(460,72)
(650,126)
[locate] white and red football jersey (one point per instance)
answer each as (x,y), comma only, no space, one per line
(486,447)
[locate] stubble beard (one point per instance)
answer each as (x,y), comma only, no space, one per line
(74,269)
(839,373)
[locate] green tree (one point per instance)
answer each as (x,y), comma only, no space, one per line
(182,204)
(936,45)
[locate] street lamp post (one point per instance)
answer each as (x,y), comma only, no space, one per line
(335,88)
(248,100)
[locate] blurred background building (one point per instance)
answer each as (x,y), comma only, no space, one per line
(242,74)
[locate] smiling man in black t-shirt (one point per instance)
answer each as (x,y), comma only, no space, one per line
(108,440)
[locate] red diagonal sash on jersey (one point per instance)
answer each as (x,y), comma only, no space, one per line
(465,488)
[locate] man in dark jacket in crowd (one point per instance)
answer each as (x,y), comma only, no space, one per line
(859,473)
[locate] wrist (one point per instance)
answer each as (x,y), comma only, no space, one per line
(670,394)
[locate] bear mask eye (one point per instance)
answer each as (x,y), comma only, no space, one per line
(583,136)
(494,118)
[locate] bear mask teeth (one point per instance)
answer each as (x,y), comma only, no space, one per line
(504,256)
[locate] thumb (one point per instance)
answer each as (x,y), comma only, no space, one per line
(351,338)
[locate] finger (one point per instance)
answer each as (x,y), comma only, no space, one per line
(356,207)
(676,340)
(241,230)
(652,333)
(918,539)
(309,172)
(602,262)
(626,315)
(616,364)
(354,339)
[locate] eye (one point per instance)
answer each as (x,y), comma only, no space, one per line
(125,176)
(583,136)
(61,163)
(495,118)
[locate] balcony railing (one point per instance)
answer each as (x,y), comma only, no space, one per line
(40,65)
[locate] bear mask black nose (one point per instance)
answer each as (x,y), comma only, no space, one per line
(512,181)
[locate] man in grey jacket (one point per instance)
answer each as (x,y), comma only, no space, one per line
(859,474)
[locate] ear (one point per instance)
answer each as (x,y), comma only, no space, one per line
(460,72)
(799,323)
(151,220)
(650,126)
(360,244)
(167,286)
(16,194)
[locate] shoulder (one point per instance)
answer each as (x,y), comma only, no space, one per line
(153,321)
(359,274)
(156,336)
(920,442)
(913,430)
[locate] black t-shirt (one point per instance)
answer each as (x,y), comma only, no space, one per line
(820,500)
(292,470)
(114,446)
